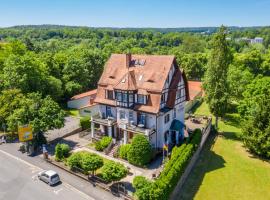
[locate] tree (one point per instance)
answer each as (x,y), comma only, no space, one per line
(215,82)
(43,114)
(10,100)
(91,162)
(58,152)
(140,151)
(254,109)
(113,171)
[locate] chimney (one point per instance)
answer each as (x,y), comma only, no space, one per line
(128,59)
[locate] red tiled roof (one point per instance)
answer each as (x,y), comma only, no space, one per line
(145,73)
(85,94)
(195,88)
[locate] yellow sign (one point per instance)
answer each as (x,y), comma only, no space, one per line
(165,147)
(25,133)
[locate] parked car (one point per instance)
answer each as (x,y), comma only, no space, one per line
(49,176)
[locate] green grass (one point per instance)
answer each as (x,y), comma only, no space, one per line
(72,112)
(225,169)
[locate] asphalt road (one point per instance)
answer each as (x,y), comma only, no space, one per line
(18,180)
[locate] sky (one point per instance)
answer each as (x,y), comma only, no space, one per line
(135,13)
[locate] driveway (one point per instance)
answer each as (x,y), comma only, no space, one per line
(71,124)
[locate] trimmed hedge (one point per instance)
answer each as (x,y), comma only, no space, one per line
(173,170)
(123,151)
(85,123)
(103,143)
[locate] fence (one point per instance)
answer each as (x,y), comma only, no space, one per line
(205,133)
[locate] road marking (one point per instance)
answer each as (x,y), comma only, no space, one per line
(57,191)
(36,168)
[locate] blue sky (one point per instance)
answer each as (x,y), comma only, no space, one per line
(135,13)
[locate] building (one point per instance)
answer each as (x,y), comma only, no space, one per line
(195,93)
(141,94)
(84,103)
(256,40)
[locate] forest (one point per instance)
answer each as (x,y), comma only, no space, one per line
(53,63)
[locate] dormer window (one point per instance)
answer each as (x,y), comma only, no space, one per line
(109,94)
(124,98)
(140,99)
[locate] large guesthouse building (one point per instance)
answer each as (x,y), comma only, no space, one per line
(141,94)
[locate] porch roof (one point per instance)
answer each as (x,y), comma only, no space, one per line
(177,125)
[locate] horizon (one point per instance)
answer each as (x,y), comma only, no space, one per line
(126,14)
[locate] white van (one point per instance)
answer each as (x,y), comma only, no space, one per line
(49,176)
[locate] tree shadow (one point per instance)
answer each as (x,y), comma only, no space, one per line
(230,136)
(51,146)
(208,161)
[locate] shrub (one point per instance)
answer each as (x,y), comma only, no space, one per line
(98,146)
(85,123)
(140,151)
(113,171)
(61,151)
(173,170)
(65,150)
(58,152)
(74,161)
(103,143)
(91,162)
(123,151)
(142,187)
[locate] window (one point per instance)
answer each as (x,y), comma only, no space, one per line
(130,116)
(122,114)
(163,98)
(141,118)
(119,96)
(125,97)
(178,94)
(167,118)
(110,94)
(140,99)
(108,111)
(166,134)
(174,113)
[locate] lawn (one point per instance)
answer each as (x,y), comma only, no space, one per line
(225,169)
(72,112)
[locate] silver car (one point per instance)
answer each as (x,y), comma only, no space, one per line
(49,176)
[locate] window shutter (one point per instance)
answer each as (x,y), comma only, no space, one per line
(136,98)
(144,99)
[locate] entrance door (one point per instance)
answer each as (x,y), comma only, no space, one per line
(173,137)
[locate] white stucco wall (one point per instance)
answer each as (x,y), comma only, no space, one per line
(89,111)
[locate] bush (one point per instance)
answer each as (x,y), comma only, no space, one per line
(85,161)
(65,150)
(91,162)
(103,143)
(61,151)
(74,161)
(113,171)
(172,172)
(140,151)
(123,151)
(58,152)
(85,123)
(142,187)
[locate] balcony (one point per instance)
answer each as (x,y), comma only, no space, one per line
(109,121)
(140,129)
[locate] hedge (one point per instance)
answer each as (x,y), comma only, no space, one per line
(85,123)
(103,143)
(173,170)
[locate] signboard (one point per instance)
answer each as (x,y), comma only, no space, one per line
(25,133)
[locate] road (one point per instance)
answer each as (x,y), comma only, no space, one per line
(18,180)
